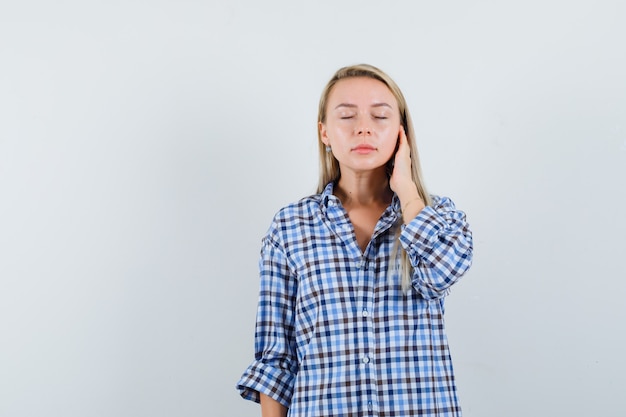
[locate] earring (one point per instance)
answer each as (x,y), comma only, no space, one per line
(328,149)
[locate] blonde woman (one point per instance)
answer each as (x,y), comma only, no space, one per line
(353,278)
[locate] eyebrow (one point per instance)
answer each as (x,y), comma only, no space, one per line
(354,105)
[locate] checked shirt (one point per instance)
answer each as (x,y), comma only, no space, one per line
(335,333)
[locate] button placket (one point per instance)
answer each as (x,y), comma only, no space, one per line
(368,361)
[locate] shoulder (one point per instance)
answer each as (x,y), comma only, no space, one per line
(301,209)
(291,219)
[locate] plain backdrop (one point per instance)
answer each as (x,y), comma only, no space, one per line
(145,146)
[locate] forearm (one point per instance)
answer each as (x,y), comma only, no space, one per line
(410,202)
(272,408)
(440,246)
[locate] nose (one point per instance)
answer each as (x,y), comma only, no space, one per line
(362,130)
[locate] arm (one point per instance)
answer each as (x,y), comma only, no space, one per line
(439,244)
(272,408)
(437,239)
(401,181)
(273,371)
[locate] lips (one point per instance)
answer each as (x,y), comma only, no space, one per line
(363,149)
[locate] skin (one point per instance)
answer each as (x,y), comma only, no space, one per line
(363,128)
(272,408)
(363,112)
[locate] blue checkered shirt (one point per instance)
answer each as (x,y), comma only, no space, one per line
(335,333)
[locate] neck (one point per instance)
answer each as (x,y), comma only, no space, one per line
(364,189)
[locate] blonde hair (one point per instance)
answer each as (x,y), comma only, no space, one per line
(329,166)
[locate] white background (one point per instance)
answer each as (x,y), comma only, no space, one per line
(145,146)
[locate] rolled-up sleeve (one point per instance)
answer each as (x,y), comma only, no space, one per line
(439,244)
(273,370)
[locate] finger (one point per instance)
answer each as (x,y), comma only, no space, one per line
(404,141)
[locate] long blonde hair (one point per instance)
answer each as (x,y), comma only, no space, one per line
(329,166)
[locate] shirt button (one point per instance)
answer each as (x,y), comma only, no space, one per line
(365,312)
(369,405)
(366,359)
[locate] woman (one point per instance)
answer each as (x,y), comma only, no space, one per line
(353,278)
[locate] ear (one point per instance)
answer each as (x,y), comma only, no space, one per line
(323,133)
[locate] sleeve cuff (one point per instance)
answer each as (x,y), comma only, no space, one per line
(265,379)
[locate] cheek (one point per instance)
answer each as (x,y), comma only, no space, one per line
(339,129)
(389,145)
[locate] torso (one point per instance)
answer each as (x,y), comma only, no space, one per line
(345,307)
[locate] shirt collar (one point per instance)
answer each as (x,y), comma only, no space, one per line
(327,193)
(328,196)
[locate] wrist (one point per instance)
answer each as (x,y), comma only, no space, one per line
(414,204)
(407,193)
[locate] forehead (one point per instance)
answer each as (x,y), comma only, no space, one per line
(361,91)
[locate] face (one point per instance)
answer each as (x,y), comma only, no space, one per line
(362,124)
